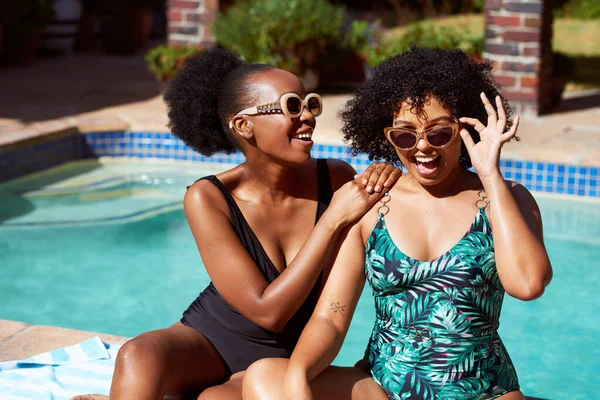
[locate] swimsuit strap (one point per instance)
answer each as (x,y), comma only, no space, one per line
(384,208)
(483,201)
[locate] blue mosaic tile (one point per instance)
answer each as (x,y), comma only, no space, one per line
(538,176)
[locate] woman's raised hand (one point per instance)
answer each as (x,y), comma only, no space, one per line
(485,155)
(351,201)
(378,177)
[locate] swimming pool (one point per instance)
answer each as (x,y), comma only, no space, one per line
(104,246)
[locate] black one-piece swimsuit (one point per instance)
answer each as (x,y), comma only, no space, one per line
(239,341)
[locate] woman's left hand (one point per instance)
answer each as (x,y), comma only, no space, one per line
(485,155)
(379,176)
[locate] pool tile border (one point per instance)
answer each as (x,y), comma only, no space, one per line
(537,176)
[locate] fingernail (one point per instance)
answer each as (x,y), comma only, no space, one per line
(364,181)
(377,188)
(386,184)
(369,188)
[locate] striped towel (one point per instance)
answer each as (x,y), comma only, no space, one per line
(86,367)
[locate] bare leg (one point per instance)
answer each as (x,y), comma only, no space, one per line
(264,380)
(230,390)
(176,360)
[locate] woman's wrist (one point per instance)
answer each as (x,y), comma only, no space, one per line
(334,223)
(489,181)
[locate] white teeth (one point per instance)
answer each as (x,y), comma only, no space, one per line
(304,136)
(425,159)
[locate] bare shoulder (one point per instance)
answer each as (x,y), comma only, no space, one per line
(203,197)
(340,172)
(522,196)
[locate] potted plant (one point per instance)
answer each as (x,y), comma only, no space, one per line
(126,25)
(290,35)
(164,62)
(23,21)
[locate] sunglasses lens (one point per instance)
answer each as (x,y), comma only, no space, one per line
(294,105)
(314,105)
(440,136)
(403,139)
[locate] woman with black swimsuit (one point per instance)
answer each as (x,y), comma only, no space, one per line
(263,229)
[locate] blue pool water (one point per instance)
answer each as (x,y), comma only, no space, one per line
(105,247)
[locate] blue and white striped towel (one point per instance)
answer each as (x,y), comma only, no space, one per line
(86,367)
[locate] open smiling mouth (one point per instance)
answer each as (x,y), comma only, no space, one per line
(305,136)
(427,165)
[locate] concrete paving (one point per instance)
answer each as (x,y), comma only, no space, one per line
(99,92)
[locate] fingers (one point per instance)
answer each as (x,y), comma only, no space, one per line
(373,179)
(467,139)
(512,133)
(388,177)
(474,122)
(501,124)
(366,175)
(492,119)
(393,178)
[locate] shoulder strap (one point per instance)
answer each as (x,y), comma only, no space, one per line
(483,201)
(325,193)
(384,208)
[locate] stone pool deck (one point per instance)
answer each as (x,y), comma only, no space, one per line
(19,340)
(95,92)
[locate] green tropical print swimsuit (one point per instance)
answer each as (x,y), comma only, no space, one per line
(435,334)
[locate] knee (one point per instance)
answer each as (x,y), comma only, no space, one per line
(139,353)
(264,379)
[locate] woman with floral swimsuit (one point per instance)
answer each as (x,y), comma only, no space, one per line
(439,251)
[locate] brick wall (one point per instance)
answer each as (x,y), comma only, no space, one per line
(518,39)
(190,21)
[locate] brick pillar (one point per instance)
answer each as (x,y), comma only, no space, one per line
(518,39)
(190,22)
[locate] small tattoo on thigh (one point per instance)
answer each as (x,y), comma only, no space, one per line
(335,307)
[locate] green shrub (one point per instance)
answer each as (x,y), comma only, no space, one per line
(423,35)
(580,9)
(164,62)
(288,34)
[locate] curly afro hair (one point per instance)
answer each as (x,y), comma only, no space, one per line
(451,76)
(212,86)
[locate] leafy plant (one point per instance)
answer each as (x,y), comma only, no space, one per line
(580,9)
(287,34)
(164,62)
(358,35)
(422,35)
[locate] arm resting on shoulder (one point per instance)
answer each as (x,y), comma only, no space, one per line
(235,274)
